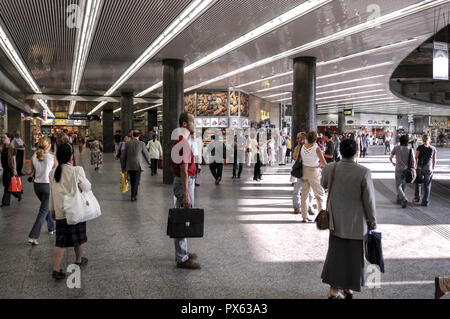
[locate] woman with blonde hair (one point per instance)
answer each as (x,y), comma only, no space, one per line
(42,163)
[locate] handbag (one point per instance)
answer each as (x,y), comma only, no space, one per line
(124,185)
(411,173)
(373,249)
(15,185)
(185,223)
(323,218)
(80,206)
(297,168)
(160,164)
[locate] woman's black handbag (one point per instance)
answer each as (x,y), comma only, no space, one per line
(373,249)
(411,173)
(323,218)
(297,168)
(185,223)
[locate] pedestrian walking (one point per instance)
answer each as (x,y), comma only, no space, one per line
(352,213)
(8,159)
(239,154)
(62,185)
(131,161)
(42,162)
(96,153)
(402,156)
(155,150)
(426,164)
(19,146)
(313,161)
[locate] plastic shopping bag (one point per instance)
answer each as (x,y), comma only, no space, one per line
(124,185)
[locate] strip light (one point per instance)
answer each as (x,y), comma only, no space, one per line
(344,100)
(72,106)
(350,88)
(293,14)
(9,49)
(379,97)
(379,100)
(148,108)
(323,86)
(390,17)
(84,38)
(189,15)
(98,107)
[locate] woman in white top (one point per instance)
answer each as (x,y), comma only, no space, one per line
(313,160)
(63,181)
(42,163)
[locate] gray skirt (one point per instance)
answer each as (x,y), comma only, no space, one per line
(344,265)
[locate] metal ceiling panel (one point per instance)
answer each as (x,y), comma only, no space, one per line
(125,30)
(40,31)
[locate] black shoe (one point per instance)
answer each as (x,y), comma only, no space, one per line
(197,185)
(84,262)
(133,199)
(57,275)
(347,295)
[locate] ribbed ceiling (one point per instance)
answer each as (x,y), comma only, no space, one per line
(39,30)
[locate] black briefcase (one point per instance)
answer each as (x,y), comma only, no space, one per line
(185,223)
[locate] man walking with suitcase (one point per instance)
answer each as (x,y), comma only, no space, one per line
(184,170)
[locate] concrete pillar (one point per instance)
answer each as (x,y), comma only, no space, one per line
(152,119)
(173,104)
(127,112)
(108,130)
(14,120)
(28,139)
(304,110)
(341,122)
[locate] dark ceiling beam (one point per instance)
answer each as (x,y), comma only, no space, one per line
(90,98)
(413,71)
(408,88)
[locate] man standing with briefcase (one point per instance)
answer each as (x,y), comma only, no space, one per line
(184,170)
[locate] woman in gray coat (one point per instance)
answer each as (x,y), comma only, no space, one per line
(352,212)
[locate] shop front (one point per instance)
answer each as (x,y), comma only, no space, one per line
(327,123)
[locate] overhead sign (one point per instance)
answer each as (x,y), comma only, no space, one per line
(61,122)
(378,120)
(265,115)
(440,61)
(439,122)
(80,117)
(348,112)
(327,120)
(61,115)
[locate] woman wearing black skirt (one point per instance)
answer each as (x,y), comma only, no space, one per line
(352,213)
(62,184)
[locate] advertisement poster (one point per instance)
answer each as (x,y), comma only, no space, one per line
(440,61)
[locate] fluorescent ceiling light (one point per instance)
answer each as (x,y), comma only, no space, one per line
(46,108)
(98,107)
(117,110)
(85,35)
(293,14)
(189,15)
(148,108)
(350,88)
(378,96)
(72,106)
(385,100)
(323,86)
(269,96)
(390,17)
(349,94)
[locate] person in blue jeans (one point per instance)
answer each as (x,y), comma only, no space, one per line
(426,163)
(42,163)
(401,154)
(184,169)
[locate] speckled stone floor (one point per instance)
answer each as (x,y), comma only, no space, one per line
(254,247)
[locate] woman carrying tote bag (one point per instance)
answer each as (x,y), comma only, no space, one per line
(62,185)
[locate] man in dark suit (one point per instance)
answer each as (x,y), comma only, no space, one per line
(132,162)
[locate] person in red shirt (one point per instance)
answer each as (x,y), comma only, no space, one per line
(184,169)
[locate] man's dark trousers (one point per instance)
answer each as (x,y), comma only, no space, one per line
(135,179)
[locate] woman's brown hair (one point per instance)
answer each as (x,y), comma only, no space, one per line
(311,137)
(43,144)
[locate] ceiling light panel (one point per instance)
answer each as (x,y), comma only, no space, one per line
(291,15)
(148,108)
(189,15)
(390,17)
(85,34)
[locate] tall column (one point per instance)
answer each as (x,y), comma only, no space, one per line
(304,110)
(341,122)
(127,112)
(14,120)
(28,139)
(173,104)
(152,119)
(108,129)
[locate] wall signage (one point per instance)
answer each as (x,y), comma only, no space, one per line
(440,61)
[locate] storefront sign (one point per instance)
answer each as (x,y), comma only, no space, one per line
(378,120)
(327,120)
(348,112)
(61,115)
(60,122)
(438,122)
(440,61)
(78,117)
(265,115)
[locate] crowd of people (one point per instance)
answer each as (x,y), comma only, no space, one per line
(330,172)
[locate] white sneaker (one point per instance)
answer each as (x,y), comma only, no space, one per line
(33,242)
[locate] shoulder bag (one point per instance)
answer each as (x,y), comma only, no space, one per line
(80,206)
(323,219)
(297,168)
(411,173)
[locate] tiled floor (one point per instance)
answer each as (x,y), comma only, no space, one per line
(254,247)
